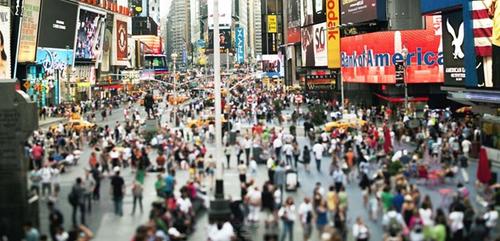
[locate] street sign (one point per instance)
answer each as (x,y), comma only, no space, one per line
(250,99)
(298,99)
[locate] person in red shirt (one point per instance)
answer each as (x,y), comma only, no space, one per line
(37,155)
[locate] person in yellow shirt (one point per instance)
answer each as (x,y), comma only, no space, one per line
(495,39)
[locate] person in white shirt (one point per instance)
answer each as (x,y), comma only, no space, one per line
(426,215)
(46,179)
(247,145)
(305,216)
(360,230)
(318,150)
(277,145)
(184,204)
(466,144)
(221,232)
(456,222)
(254,198)
(491,218)
(287,214)
(288,151)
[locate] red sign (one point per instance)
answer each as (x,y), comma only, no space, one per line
(298,99)
(121,40)
(370,58)
(250,99)
(293,35)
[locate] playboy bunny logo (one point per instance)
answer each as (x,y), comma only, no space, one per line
(458,41)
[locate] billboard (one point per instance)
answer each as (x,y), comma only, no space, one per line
(307,12)
(333,33)
(58,23)
(358,11)
(307,35)
(5,41)
(272,23)
(293,15)
(224,39)
(486,31)
(273,65)
(225,12)
(365,60)
(89,35)
(29,31)
(319,14)
(453,52)
(120,40)
(320,49)
(240,45)
(107,43)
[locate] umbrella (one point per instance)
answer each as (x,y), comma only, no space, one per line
(387,140)
(483,168)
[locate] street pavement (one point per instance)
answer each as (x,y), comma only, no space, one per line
(108,226)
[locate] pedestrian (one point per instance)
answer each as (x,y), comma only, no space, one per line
(277,145)
(491,218)
(247,144)
(306,216)
(321,217)
(76,199)
(318,150)
(97,176)
(306,158)
(287,213)
(338,178)
(360,231)
(242,170)
(30,232)
(56,219)
(170,184)
(464,165)
(137,191)
(117,191)
(89,186)
(46,179)
(254,200)
(227,153)
(288,151)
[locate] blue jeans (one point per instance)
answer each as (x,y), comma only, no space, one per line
(118,201)
(287,228)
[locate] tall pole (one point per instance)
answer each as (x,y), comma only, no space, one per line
(342,94)
(219,188)
(175,93)
(406,91)
(227,60)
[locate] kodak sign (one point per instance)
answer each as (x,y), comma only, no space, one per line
(333,33)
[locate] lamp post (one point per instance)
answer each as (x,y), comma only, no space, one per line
(404,53)
(174,57)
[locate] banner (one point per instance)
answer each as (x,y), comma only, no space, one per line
(358,11)
(224,39)
(307,44)
(453,48)
(366,60)
(272,24)
(5,42)
(120,40)
(320,51)
(319,11)
(89,35)
(29,31)
(107,43)
(225,12)
(240,45)
(307,12)
(293,13)
(57,24)
(333,33)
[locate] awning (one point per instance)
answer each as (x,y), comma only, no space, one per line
(402,99)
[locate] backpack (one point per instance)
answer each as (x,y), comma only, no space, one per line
(73,197)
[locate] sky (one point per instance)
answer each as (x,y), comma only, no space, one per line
(164,6)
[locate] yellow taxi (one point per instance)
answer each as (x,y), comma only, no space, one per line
(74,125)
(344,124)
(204,122)
(177,100)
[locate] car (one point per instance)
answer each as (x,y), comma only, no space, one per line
(344,124)
(204,122)
(177,100)
(74,125)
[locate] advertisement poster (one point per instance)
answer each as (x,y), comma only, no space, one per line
(121,40)
(307,12)
(225,8)
(224,39)
(273,65)
(320,50)
(293,13)
(319,11)
(333,33)
(307,35)
(365,60)
(89,35)
(240,45)
(5,37)
(453,52)
(486,30)
(57,24)
(272,24)
(107,44)
(29,30)
(358,11)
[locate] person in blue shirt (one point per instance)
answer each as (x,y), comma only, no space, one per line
(170,184)
(398,201)
(31,233)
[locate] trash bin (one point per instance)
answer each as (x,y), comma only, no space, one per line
(292,180)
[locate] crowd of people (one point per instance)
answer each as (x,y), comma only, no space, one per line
(398,166)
